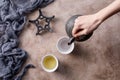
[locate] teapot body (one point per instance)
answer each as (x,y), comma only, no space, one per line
(69,27)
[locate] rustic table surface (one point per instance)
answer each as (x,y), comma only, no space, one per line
(95,59)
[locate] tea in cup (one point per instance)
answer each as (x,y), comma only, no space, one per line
(49,63)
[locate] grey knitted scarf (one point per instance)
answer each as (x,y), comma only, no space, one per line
(12,20)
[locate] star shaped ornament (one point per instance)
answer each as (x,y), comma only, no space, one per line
(42,23)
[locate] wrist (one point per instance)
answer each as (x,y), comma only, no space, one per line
(98,18)
(101,16)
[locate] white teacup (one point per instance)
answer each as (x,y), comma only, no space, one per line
(63,47)
(49,63)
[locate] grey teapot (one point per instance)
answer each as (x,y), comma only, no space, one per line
(69,27)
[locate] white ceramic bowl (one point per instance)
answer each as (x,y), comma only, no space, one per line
(49,70)
(63,47)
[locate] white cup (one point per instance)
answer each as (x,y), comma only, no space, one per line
(49,63)
(63,47)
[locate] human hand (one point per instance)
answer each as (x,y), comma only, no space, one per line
(85,25)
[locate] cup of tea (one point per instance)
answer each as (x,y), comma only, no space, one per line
(49,63)
(63,47)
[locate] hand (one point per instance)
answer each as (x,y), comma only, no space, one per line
(85,25)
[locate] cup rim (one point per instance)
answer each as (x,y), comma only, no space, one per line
(62,52)
(49,70)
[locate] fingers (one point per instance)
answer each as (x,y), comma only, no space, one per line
(80,33)
(77,31)
(76,28)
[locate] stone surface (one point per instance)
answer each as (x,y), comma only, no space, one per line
(95,59)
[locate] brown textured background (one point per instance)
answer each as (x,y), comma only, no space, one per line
(96,59)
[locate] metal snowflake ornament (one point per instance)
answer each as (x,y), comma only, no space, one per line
(39,23)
